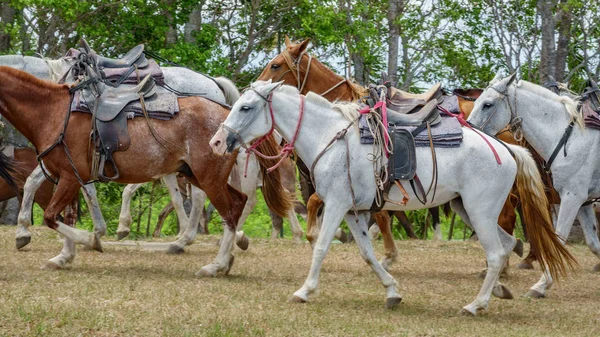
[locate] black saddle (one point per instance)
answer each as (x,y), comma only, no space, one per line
(135,57)
(592,94)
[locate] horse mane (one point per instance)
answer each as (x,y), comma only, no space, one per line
(55,68)
(569,103)
(26,77)
(348,109)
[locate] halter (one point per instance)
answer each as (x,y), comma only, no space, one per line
(287,148)
(294,67)
(516,122)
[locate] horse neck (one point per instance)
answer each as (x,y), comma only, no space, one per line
(30,106)
(317,129)
(320,79)
(31,65)
(544,120)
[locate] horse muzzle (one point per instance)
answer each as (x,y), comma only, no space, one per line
(223,142)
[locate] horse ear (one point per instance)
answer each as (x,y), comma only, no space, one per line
(303,46)
(297,49)
(288,43)
(270,87)
(502,86)
(496,78)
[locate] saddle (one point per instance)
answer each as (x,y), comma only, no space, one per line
(591,95)
(126,70)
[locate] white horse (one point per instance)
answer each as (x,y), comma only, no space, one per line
(344,180)
(218,89)
(543,117)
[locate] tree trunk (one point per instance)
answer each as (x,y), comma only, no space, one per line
(564,21)
(7,18)
(394,12)
(194,23)
(547,57)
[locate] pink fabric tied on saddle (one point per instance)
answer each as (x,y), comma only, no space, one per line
(383,106)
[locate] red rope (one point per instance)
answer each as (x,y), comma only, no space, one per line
(287,148)
(383,106)
(463,122)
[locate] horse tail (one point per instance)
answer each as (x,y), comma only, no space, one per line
(8,167)
(232,94)
(278,199)
(549,250)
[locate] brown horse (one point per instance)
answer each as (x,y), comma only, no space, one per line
(39,110)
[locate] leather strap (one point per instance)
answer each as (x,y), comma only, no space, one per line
(561,144)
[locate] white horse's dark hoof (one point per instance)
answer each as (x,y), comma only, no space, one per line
(243,242)
(296,299)
(97,245)
(524,265)
(465,312)
(519,248)
(231,259)
(534,294)
(482,274)
(392,302)
(51,266)
(175,250)
(22,241)
(596,268)
(501,291)
(122,235)
(343,237)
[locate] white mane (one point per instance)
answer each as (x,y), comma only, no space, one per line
(569,103)
(56,68)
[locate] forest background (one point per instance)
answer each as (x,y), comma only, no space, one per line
(417,42)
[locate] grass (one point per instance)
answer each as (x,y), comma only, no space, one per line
(136,292)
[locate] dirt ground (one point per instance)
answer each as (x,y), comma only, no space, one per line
(136,291)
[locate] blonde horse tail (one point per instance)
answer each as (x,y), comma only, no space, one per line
(230,91)
(547,246)
(278,199)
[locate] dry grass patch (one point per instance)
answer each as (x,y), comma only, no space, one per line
(134,292)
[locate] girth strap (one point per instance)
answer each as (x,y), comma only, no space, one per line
(561,144)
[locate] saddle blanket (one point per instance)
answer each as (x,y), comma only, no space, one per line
(161,106)
(447,133)
(591,118)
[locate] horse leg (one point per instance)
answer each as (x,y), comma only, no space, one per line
(405,223)
(359,232)
(95,212)
(191,229)
(527,262)
(33,183)
(587,219)
(276,225)
(497,248)
(125,219)
(569,207)
(312,208)
(435,220)
(230,204)
(297,232)
(170,181)
(334,213)
(391,250)
(66,191)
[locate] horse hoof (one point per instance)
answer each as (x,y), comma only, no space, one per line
(297,299)
(22,241)
(97,245)
(524,265)
(243,242)
(596,268)
(501,291)
(122,235)
(465,312)
(51,266)
(534,294)
(231,259)
(205,273)
(519,248)
(392,302)
(175,250)
(482,275)
(343,237)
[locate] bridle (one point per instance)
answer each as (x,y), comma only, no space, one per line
(515,126)
(286,150)
(294,67)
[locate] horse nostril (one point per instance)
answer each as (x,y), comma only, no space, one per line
(218,143)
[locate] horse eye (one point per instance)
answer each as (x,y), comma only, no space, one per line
(487,105)
(245,108)
(275,66)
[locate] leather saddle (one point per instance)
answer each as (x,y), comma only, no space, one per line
(110,132)
(135,57)
(591,94)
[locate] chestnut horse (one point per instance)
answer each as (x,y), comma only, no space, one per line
(40,111)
